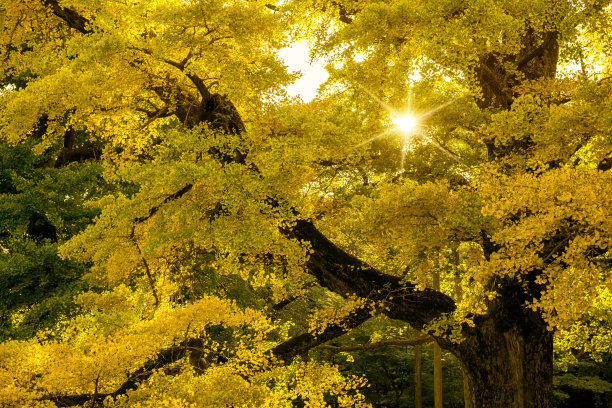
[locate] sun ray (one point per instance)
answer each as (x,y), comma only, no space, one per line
(439,107)
(408,124)
(382,103)
(370,140)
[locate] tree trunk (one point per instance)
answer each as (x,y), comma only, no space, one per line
(418,390)
(458,296)
(508,367)
(437,366)
(437,357)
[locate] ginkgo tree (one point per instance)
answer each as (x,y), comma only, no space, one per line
(232,200)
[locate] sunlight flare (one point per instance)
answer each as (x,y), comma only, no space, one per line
(408,125)
(405,122)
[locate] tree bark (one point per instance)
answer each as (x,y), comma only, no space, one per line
(418,390)
(437,371)
(508,366)
(437,357)
(507,357)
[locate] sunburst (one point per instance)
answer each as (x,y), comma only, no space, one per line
(409,125)
(406,122)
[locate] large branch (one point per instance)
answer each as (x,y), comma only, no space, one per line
(301,344)
(213,108)
(70,16)
(284,352)
(346,275)
(333,268)
(162,359)
(172,197)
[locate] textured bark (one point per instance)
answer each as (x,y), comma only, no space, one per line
(507,360)
(416,341)
(507,357)
(498,75)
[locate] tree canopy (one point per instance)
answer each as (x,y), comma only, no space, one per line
(162,200)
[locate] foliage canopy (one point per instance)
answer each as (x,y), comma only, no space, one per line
(150,144)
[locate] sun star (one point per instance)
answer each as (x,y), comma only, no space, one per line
(405,122)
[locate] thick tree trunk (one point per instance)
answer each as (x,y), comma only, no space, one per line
(508,367)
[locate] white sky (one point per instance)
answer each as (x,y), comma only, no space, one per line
(313,75)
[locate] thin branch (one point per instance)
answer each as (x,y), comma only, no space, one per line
(447,151)
(556,248)
(301,344)
(582,63)
(364,175)
(383,343)
(9,43)
(160,113)
(147,269)
(273,7)
(169,198)
(197,81)
(278,306)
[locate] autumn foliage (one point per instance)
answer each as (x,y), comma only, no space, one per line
(162,199)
